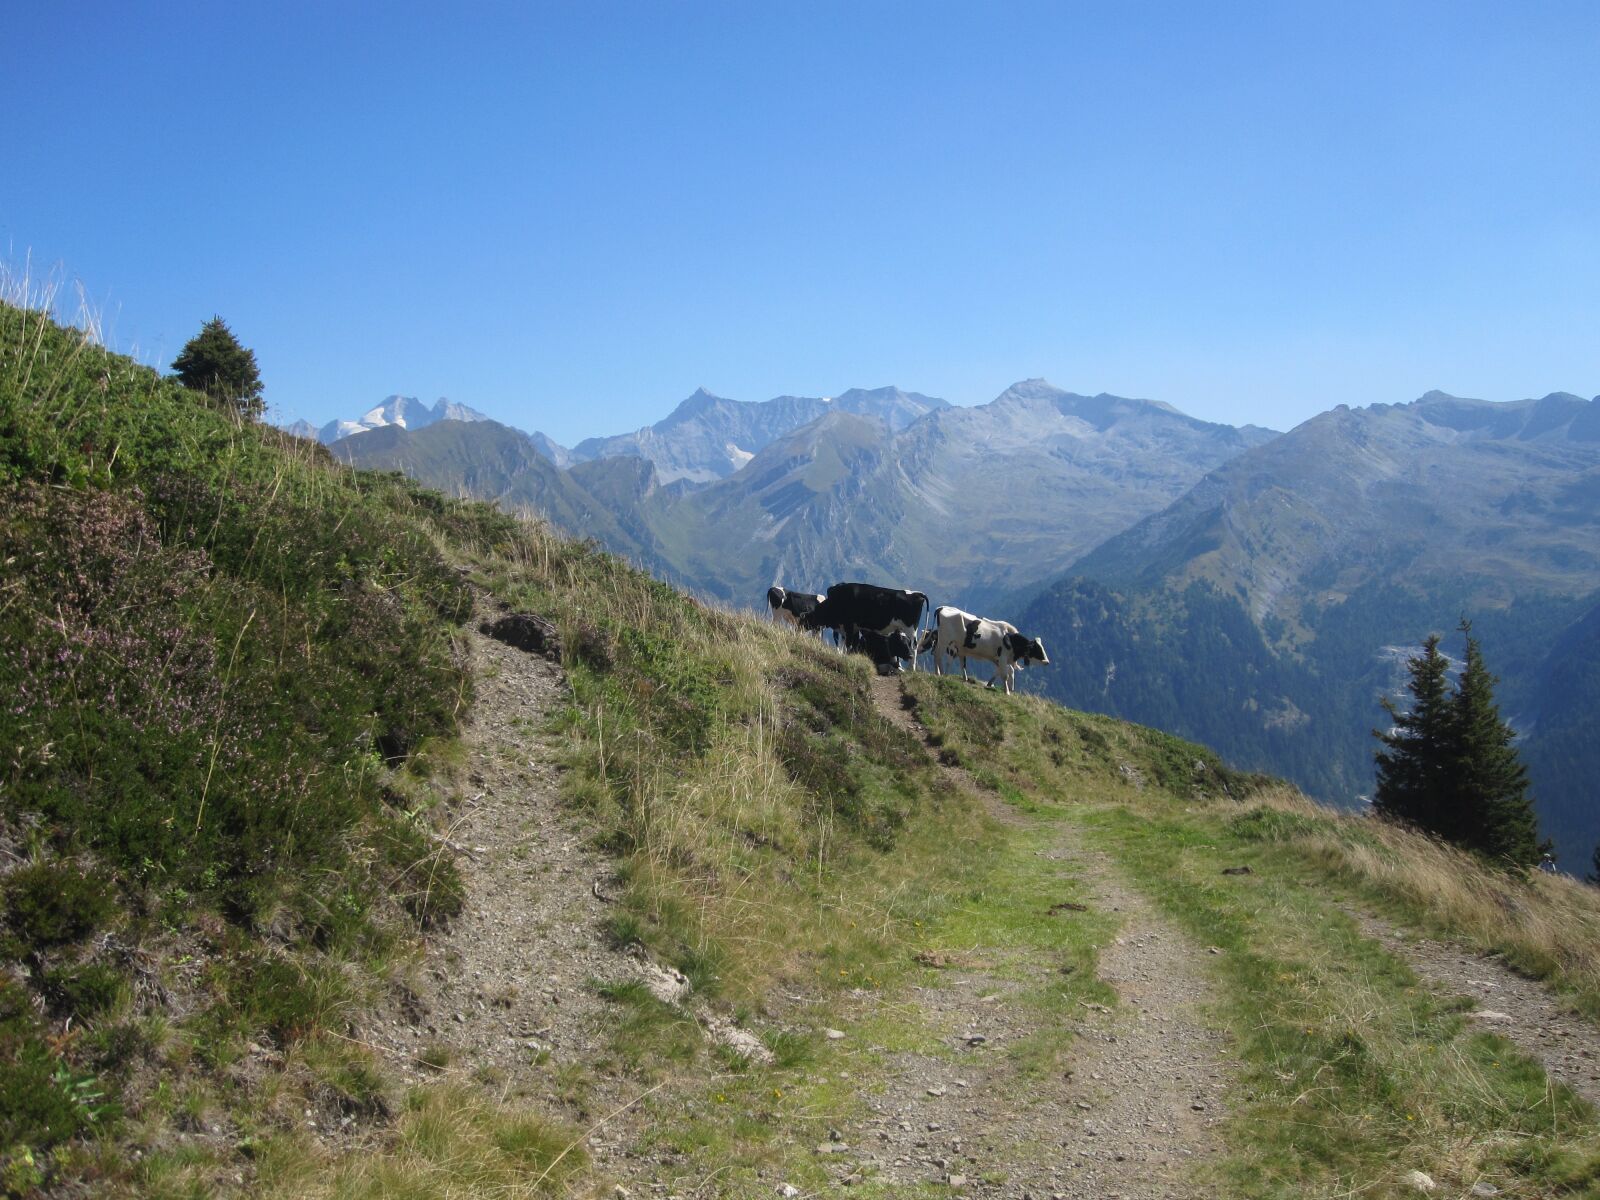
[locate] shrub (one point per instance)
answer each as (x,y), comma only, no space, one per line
(50,904)
(84,990)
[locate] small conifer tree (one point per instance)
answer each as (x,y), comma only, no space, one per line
(1490,783)
(1449,765)
(1413,766)
(215,363)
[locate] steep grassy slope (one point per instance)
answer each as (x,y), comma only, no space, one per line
(211,647)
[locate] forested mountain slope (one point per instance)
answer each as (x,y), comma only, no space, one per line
(1266,610)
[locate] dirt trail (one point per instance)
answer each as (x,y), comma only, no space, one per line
(1523,1011)
(506,997)
(506,993)
(1130,1117)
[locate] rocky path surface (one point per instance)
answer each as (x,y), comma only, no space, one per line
(1523,1011)
(1131,1115)
(507,992)
(506,997)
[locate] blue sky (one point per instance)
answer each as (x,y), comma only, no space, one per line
(570,216)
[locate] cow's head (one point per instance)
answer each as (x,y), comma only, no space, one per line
(1025,650)
(928,640)
(776,596)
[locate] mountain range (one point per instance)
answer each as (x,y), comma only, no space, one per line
(406,412)
(710,437)
(1251,590)
(967,503)
(1266,610)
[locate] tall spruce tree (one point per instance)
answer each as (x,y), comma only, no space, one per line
(1449,765)
(1494,813)
(214,362)
(1414,764)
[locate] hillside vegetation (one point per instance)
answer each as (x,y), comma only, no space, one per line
(234,676)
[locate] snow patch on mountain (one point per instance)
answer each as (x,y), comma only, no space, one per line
(405,411)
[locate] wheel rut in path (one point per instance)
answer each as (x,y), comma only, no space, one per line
(1131,1114)
(1524,1011)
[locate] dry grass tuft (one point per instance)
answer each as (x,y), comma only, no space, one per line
(451,1142)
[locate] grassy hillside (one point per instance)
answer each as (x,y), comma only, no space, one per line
(234,682)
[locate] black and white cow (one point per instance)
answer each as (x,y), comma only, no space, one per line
(856,608)
(957,634)
(886,652)
(791,606)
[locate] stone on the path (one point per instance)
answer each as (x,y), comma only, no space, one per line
(1420,1181)
(788,1191)
(527,632)
(833,1035)
(666,984)
(1489,1016)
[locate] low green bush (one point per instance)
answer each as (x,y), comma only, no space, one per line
(50,904)
(85,990)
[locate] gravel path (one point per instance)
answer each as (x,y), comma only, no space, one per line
(506,997)
(1131,1116)
(506,992)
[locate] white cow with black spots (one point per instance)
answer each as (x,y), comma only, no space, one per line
(958,634)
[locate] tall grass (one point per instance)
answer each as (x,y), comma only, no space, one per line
(1546,925)
(758,802)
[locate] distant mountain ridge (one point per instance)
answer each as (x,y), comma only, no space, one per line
(1263,612)
(880,483)
(710,437)
(407,412)
(1448,486)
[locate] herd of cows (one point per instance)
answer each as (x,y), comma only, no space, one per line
(886,625)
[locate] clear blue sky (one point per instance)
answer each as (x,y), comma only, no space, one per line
(571,215)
